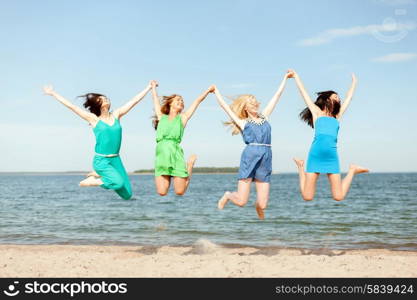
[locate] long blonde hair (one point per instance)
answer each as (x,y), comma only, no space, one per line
(165,108)
(238,107)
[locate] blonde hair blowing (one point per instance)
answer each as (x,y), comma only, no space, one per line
(238,107)
(165,108)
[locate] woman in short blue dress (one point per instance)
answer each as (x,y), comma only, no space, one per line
(256,159)
(324,116)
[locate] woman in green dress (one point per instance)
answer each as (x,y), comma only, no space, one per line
(169,122)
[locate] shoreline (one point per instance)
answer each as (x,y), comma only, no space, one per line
(260,248)
(203,259)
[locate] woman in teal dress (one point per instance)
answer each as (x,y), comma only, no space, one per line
(324,116)
(109,172)
(169,122)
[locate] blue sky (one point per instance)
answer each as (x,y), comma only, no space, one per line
(116,47)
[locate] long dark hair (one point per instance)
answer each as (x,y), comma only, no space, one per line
(165,108)
(323,101)
(92,103)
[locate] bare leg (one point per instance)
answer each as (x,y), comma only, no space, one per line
(339,187)
(239,198)
(93,173)
(301,173)
(181,183)
(91,181)
(307,181)
(162,184)
(262,191)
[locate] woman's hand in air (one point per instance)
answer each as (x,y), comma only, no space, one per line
(211,88)
(153,83)
(291,73)
(48,90)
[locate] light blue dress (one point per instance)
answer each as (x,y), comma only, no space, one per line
(256,159)
(323,157)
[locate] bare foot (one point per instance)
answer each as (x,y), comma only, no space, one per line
(93,173)
(358,169)
(91,181)
(260,212)
(222,202)
(191,161)
(299,163)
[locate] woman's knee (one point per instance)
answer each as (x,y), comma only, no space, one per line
(180,191)
(241,204)
(308,197)
(338,197)
(242,201)
(162,192)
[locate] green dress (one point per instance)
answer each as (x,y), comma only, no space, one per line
(169,156)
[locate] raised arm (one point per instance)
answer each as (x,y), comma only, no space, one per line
(315,110)
(240,123)
(273,102)
(89,117)
(156,103)
(121,111)
(348,98)
(191,110)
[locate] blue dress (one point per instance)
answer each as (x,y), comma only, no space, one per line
(256,160)
(323,157)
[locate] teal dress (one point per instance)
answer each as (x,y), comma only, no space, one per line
(107,162)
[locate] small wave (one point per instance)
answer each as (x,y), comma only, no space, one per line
(203,246)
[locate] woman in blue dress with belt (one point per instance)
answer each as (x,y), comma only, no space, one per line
(324,116)
(256,159)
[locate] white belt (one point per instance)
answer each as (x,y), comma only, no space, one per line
(107,155)
(256,144)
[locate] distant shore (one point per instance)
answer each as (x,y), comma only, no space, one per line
(201,260)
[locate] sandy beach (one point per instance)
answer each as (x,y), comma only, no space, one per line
(201,260)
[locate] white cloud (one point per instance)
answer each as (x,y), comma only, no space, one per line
(328,35)
(395,57)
